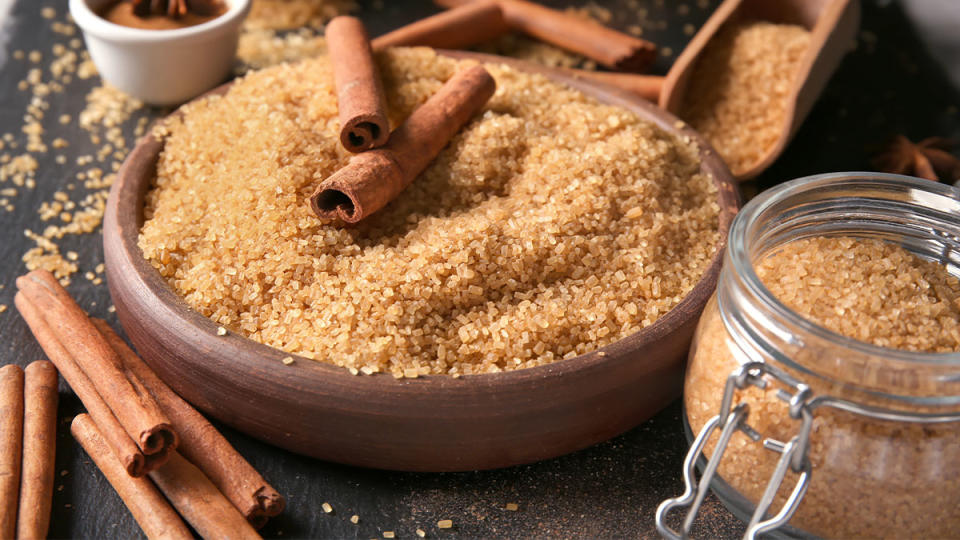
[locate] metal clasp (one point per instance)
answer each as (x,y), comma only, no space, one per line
(793,454)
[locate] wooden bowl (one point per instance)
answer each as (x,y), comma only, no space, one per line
(433,423)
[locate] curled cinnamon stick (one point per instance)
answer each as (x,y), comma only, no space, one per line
(613,49)
(11,440)
(39,450)
(373,179)
(123,447)
(145,502)
(199,502)
(646,86)
(458,28)
(123,393)
(360,97)
(201,443)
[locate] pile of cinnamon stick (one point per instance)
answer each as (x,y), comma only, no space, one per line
(28,436)
(472,22)
(386,163)
(144,438)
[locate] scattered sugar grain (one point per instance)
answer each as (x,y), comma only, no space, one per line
(326,506)
(288,360)
(445,524)
(512,507)
(421,533)
(389,534)
(221,331)
(354,519)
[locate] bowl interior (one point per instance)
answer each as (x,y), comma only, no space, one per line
(432,423)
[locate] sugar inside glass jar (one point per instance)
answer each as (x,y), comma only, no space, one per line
(824,379)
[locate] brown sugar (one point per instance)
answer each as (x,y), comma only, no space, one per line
(871,291)
(738,92)
(870,478)
(521,244)
(290,14)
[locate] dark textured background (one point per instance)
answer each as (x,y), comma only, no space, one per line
(888,85)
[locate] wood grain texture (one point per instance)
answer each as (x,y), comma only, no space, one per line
(433,423)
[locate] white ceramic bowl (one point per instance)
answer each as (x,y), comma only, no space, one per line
(161,67)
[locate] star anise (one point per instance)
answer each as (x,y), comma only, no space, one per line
(929,158)
(174,8)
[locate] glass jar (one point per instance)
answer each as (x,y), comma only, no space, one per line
(797,423)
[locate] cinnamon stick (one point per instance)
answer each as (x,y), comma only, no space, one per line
(360,97)
(646,86)
(123,447)
(373,179)
(39,450)
(201,443)
(199,502)
(609,47)
(123,393)
(151,511)
(11,439)
(458,28)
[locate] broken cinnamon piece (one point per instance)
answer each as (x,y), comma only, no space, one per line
(201,443)
(124,449)
(360,97)
(458,28)
(645,86)
(129,401)
(199,502)
(609,47)
(11,445)
(372,179)
(151,511)
(39,450)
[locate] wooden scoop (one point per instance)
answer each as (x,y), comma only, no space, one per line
(833,25)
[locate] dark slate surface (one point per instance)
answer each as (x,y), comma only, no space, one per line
(887,85)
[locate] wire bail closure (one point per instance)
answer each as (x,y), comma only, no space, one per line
(793,454)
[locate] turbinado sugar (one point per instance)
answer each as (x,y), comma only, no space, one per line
(740,87)
(551,225)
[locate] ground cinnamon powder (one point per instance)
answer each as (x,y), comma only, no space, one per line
(549,226)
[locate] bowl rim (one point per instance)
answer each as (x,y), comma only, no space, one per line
(130,220)
(95,25)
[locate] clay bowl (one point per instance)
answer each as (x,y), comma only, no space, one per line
(434,423)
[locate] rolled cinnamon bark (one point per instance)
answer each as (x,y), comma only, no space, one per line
(646,86)
(39,450)
(360,97)
(373,179)
(126,451)
(11,441)
(458,28)
(613,49)
(201,443)
(199,501)
(129,401)
(151,511)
